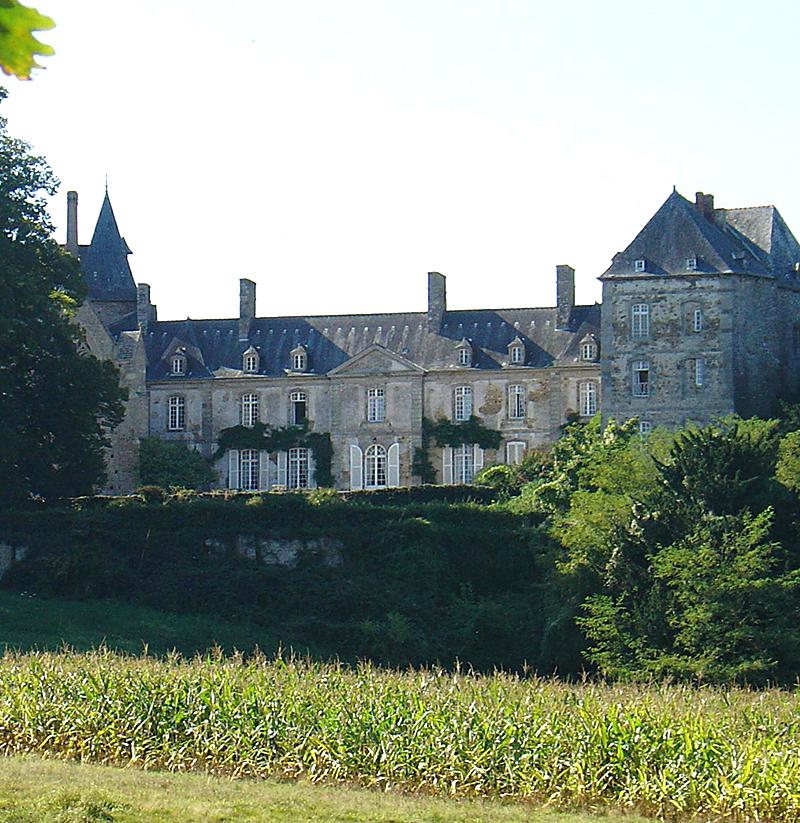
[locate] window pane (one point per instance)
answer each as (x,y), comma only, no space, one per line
(640,320)
(588,399)
(375,405)
(298,469)
(249,410)
(463,403)
(248,469)
(463,465)
(375,467)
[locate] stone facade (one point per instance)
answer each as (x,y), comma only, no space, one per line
(700,318)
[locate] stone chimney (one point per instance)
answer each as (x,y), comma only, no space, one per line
(72,223)
(144,309)
(705,204)
(565,295)
(247,306)
(437,300)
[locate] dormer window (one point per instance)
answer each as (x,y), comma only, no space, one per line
(250,361)
(640,265)
(691,264)
(299,359)
(464,354)
(179,364)
(516,352)
(589,349)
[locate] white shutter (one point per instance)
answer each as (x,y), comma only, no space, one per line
(233,469)
(477,460)
(447,466)
(393,466)
(356,470)
(263,471)
(282,459)
(312,470)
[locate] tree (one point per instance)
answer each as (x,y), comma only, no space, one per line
(18,46)
(56,404)
(172,465)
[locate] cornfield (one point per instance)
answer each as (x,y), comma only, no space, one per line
(675,752)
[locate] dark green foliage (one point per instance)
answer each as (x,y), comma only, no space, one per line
(446,433)
(169,465)
(56,405)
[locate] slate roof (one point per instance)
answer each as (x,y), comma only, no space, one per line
(749,240)
(213,346)
(105,260)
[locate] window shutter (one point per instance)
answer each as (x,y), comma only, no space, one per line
(233,469)
(282,461)
(447,466)
(356,468)
(478,459)
(312,471)
(393,466)
(263,471)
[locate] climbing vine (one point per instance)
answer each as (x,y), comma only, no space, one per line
(260,436)
(445,433)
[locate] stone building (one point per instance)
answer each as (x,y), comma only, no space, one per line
(700,318)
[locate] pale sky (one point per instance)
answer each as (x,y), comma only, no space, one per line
(335,151)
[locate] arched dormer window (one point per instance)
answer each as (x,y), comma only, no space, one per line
(464,354)
(178,363)
(250,361)
(589,348)
(516,352)
(299,359)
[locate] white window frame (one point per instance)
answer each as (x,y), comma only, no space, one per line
(515,451)
(640,265)
(645,427)
(376,405)
(640,388)
(464,356)
(516,357)
(250,363)
(295,399)
(179,364)
(299,468)
(699,372)
(588,351)
(691,264)
(249,466)
(248,405)
(176,413)
(462,403)
(587,398)
(376,466)
(299,361)
(463,464)
(516,402)
(697,320)
(640,320)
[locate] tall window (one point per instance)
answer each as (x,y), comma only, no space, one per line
(176,420)
(248,470)
(697,320)
(299,361)
(796,340)
(515,451)
(375,467)
(587,398)
(250,362)
(179,364)
(464,356)
(463,463)
(463,403)
(297,408)
(516,355)
(249,410)
(375,406)
(516,402)
(641,378)
(588,350)
(297,477)
(699,372)
(640,320)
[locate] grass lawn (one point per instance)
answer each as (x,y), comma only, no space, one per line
(39,791)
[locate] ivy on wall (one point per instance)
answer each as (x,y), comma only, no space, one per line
(260,436)
(446,433)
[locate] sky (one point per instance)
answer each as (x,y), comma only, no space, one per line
(335,151)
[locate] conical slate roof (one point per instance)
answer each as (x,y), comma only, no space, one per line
(105,261)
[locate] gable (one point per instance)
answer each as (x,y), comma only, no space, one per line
(375,360)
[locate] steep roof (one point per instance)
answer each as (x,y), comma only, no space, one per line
(332,340)
(105,260)
(750,240)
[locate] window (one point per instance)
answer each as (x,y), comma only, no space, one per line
(587,398)
(639,265)
(375,406)
(249,408)
(641,378)
(516,402)
(298,469)
(640,320)
(463,463)
(298,362)
(176,420)
(375,467)
(645,427)
(516,355)
(179,364)
(464,356)
(463,403)
(515,451)
(697,320)
(699,372)
(588,350)
(248,470)
(250,362)
(297,408)
(691,264)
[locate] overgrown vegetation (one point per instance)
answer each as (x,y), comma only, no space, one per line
(172,465)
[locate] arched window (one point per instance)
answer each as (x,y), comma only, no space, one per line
(249,410)
(462,403)
(375,467)
(516,402)
(297,408)
(179,364)
(176,419)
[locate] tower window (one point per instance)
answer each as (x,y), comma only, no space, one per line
(697,320)
(640,320)
(641,378)
(587,398)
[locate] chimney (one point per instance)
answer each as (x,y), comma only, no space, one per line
(705,204)
(437,300)
(144,310)
(247,306)
(565,295)
(72,223)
